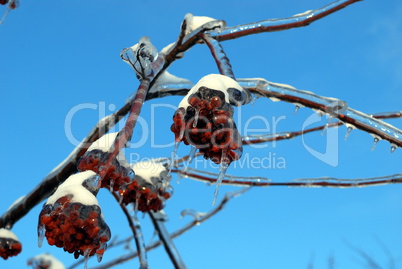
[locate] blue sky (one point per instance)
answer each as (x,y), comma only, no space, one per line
(57,57)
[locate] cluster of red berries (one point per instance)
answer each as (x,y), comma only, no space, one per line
(150,187)
(9,247)
(117,175)
(207,124)
(77,228)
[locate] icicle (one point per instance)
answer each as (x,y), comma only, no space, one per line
(41,235)
(348,131)
(393,148)
(86,257)
(223,168)
(296,109)
(191,154)
(196,116)
(137,200)
(174,153)
(325,128)
(375,143)
(254,98)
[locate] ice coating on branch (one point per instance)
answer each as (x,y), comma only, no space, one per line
(143,57)
(74,186)
(325,105)
(169,81)
(9,244)
(45,261)
(150,188)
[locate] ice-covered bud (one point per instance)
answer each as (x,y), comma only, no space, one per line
(195,22)
(150,188)
(140,57)
(204,118)
(118,174)
(72,219)
(45,261)
(9,244)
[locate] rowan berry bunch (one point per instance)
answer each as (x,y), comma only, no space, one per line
(119,172)
(72,219)
(9,244)
(150,187)
(204,119)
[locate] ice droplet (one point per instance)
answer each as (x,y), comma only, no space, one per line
(325,129)
(393,148)
(375,143)
(223,168)
(348,131)
(41,235)
(296,109)
(196,116)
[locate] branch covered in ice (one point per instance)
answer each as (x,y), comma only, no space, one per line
(195,222)
(137,233)
(264,138)
(158,220)
(335,108)
(303,182)
(11,4)
(271,25)
(222,61)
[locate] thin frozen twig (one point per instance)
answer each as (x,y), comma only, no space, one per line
(271,25)
(177,233)
(158,219)
(137,233)
(335,108)
(303,182)
(257,139)
(222,61)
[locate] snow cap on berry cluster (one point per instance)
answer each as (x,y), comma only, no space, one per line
(9,244)
(234,93)
(45,260)
(152,172)
(82,187)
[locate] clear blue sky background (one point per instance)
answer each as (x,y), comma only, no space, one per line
(56,56)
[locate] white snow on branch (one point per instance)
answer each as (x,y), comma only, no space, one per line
(151,171)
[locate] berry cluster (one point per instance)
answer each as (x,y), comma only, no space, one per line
(71,218)
(118,174)
(9,244)
(206,123)
(150,187)
(77,228)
